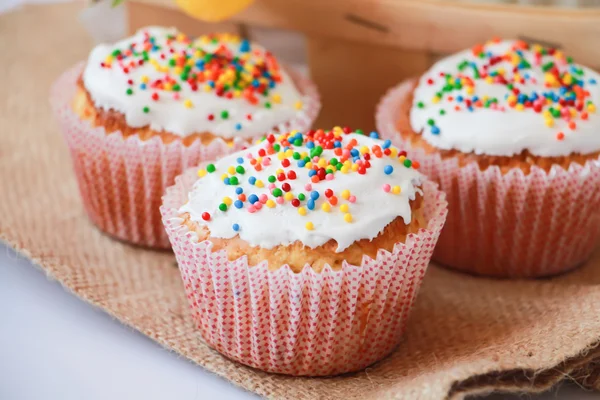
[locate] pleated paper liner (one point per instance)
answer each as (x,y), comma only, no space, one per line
(305,323)
(121,180)
(507,225)
(465,335)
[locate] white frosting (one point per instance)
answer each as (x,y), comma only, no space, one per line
(108,89)
(504,133)
(372,211)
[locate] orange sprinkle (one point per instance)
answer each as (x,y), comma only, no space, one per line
(572,125)
(560,136)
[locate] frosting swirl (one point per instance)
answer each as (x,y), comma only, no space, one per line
(309,187)
(219,84)
(505,97)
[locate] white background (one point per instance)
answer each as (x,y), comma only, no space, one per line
(55,346)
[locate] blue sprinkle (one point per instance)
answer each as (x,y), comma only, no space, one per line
(255,83)
(238,204)
(226,181)
(238,126)
(435,130)
(239,190)
(245,46)
(240,160)
(562,90)
(459,99)
(388,169)
(310,145)
(374,135)
(236,227)
(312,173)
(252,180)
(200,64)
(301,164)
(355,158)
(314,195)
(470,108)
(271,84)
(143,86)
(252,198)
(386,144)
(211,84)
(337,144)
(310,204)
(593,81)
(354,152)
(475,98)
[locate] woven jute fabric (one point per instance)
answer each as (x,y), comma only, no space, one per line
(466,335)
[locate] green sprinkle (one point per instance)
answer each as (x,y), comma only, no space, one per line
(333,161)
(548,66)
(296,155)
(172,62)
(301,197)
(421,105)
(129,92)
(430,122)
(407,163)
(146,109)
(442,112)
(276,147)
(210,168)
(360,131)
(298,142)
(223,207)
(316,151)
(272,178)
(234,180)
(176,87)
(224,114)
(116,52)
(267,105)
(277,192)
(240,170)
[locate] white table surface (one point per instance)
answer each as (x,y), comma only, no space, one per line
(55,346)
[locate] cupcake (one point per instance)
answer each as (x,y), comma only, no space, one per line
(510,132)
(139,112)
(303,254)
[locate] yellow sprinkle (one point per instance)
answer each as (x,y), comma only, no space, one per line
(549,122)
(168,86)
(396,189)
(259,184)
(322,163)
(573,112)
(288,196)
(178,70)
(489,79)
(345,169)
(237,93)
(344,208)
(231,170)
(470,90)
(298,105)
(301,210)
(326,207)
(280,155)
(309,225)
(401,159)
(201,173)
(181,37)
(303,154)
(546,114)
(197,54)
(354,167)
(519,107)
(145,79)
(308,165)
(270,203)
(364,149)
(591,108)
(227,200)
(276,99)
(289,153)
(348,217)
(501,71)
(224,176)
(435,100)
(345,193)
(558,107)
(206,88)
(512,98)
(394,152)
(188,103)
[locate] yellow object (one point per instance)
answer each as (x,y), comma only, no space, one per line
(212,10)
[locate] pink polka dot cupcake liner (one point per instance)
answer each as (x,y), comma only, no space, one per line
(121,179)
(305,323)
(512,225)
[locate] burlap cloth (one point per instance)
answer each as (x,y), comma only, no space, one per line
(466,335)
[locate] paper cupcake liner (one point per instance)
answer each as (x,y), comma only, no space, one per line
(305,323)
(507,225)
(121,179)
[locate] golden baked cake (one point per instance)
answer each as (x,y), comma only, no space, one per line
(305,221)
(510,131)
(145,108)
